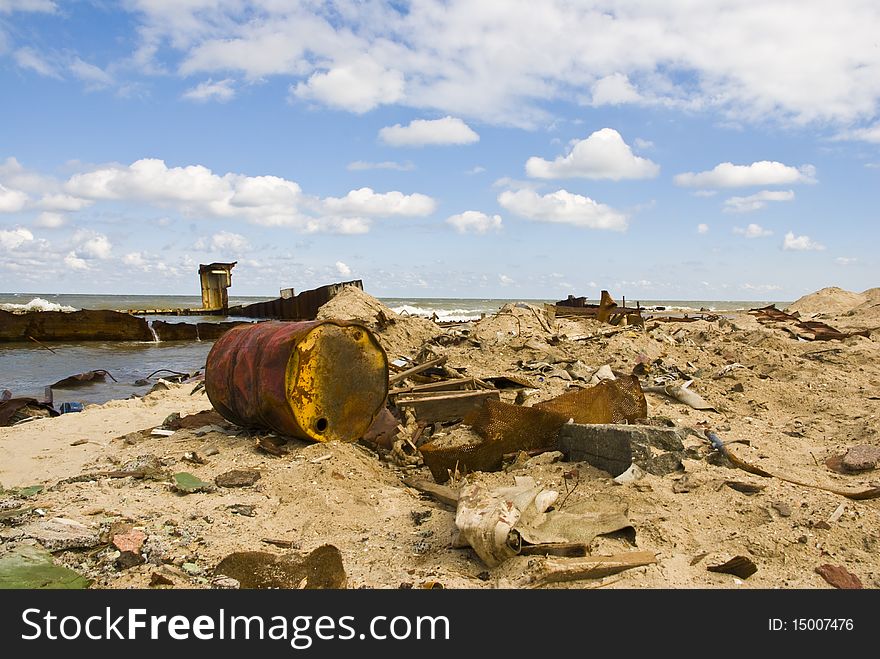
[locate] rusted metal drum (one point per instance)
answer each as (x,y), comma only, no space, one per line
(319,380)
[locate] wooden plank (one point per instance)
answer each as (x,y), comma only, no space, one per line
(447,407)
(444,385)
(417,369)
(442,493)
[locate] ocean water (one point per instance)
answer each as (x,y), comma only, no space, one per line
(26,368)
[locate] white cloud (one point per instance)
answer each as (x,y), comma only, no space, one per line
(867,134)
(506,63)
(14,238)
(136,260)
(30,59)
(764,172)
(753,231)
(342,269)
(800,243)
(643,144)
(615,89)
(94,76)
(49,220)
(602,155)
(475,222)
(63,202)
(73,262)
(267,200)
(358,86)
(756,201)
(92,244)
(563,207)
(365,201)
(9,6)
(477,169)
(504,280)
(226,241)
(360,165)
(11,201)
(702,228)
(845,260)
(422,132)
(705,193)
(221,91)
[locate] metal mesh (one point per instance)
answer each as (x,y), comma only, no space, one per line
(509,428)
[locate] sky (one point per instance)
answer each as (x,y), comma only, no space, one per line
(689,149)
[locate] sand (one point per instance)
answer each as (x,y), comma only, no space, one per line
(797,403)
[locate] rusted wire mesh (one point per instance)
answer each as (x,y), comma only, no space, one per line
(509,428)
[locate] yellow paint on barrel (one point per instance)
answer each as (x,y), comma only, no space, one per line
(322,381)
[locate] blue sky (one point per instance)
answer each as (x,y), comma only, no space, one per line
(694,150)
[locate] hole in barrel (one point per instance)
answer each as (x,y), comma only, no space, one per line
(321,424)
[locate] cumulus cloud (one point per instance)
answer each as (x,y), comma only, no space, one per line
(93,244)
(702,228)
(49,220)
(474,222)
(135,260)
(221,91)
(74,262)
(866,134)
(845,260)
(63,202)
(756,201)
(799,66)
(563,207)
(800,243)
(764,172)
(615,89)
(342,269)
(504,280)
(14,238)
(267,200)
(11,201)
(365,201)
(602,155)
(361,165)
(226,241)
(753,231)
(358,86)
(423,132)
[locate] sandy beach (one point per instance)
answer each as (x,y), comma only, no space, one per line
(789,404)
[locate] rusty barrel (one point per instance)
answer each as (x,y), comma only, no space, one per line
(319,380)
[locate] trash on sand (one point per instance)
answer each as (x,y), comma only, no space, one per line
(80,379)
(61,533)
(28,567)
(837,514)
(745,488)
(421,368)
(727,369)
(318,380)
(543,571)
(740,566)
(631,475)
(809,330)
(446,406)
(839,577)
(161,432)
(244,509)
(607,311)
(157,579)
(497,523)
(507,428)
(272,445)
(441,493)
(67,408)
(680,392)
(857,458)
(615,447)
(186,483)
(14,410)
(238,478)
(724,449)
(321,569)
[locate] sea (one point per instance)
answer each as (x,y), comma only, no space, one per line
(26,369)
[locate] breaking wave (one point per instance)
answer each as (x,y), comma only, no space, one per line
(442,314)
(37,304)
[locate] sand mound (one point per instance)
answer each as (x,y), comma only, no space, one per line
(831,300)
(399,335)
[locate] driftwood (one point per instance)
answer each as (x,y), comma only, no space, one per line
(431,407)
(442,493)
(554,570)
(416,369)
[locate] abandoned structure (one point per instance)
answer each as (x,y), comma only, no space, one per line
(215,278)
